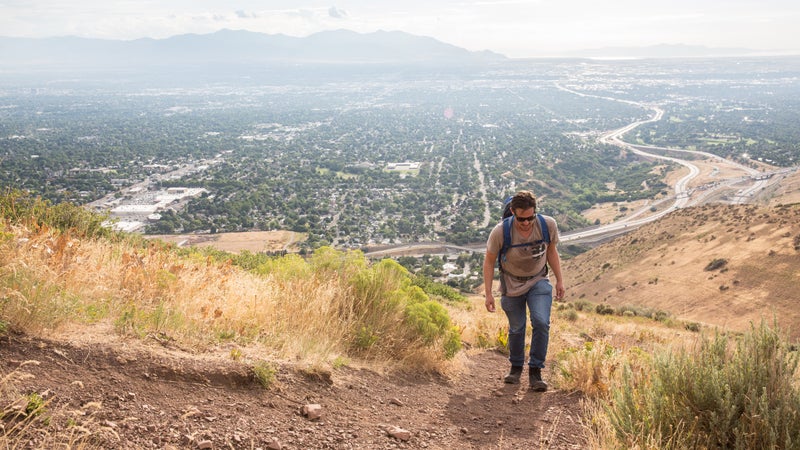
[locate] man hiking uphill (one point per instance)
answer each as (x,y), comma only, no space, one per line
(524,246)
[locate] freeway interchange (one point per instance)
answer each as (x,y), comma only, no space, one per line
(746,183)
(730,182)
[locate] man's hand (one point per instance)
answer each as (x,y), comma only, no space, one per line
(490,303)
(560,291)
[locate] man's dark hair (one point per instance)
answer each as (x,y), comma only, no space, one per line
(523,200)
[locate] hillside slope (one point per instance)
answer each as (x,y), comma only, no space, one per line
(111,341)
(99,387)
(720,265)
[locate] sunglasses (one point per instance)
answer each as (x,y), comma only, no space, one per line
(525,219)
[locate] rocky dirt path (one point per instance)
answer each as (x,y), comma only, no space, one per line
(133,396)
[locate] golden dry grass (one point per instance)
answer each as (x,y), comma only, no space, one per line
(60,283)
(317,310)
(663,266)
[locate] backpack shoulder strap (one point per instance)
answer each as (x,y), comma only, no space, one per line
(507,207)
(545,230)
(507,222)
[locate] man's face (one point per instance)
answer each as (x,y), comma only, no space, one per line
(523,218)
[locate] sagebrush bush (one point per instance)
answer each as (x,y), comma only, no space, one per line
(739,395)
(20,208)
(383,295)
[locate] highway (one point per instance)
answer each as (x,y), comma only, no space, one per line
(683,196)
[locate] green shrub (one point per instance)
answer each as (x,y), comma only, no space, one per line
(661,316)
(716,263)
(428,318)
(604,310)
(438,289)
(571,315)
(329,260)
(583,305)
(265,373)
(738,396)
(20,207)
(642,311)
(501,340)
(286,267)
(692,326)
(383,297)
(365,338)
(451,344)
(36,404)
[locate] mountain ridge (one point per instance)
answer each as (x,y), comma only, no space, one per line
(239,46)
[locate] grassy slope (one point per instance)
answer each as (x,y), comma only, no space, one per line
(663,266)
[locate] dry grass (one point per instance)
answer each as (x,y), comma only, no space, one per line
(27,417)
(54,282)
(57,278)
(586,349)
(662,266)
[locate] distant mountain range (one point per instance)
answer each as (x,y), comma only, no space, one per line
(237,47)
(230,48)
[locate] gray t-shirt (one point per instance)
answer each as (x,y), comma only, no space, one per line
(525,261)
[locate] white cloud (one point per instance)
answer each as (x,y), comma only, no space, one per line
(337,13)
(241,14)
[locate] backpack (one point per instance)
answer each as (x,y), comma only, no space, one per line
(508,219)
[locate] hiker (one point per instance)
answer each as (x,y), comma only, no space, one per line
(524,245)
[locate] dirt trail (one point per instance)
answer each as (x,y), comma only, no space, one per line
(135,396)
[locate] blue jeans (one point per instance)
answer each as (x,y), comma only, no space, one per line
(539,300)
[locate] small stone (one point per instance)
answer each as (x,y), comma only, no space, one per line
(205,444)
(399,433)
(313,411)
(395,401)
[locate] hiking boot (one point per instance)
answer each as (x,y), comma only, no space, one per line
(535,380)
(513,376)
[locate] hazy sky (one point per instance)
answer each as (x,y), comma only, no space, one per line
(516,28)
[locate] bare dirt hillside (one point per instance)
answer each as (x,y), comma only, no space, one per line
(720,265)
(784,192)
(109,393)
(252,241)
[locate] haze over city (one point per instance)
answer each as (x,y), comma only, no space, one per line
(515,28)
